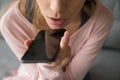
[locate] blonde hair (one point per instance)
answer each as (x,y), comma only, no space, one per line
(38,20)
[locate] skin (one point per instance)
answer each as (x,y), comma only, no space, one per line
(66,10)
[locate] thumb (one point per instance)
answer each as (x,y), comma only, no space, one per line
(64,40)
(27,42)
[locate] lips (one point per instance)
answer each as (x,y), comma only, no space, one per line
(56,21)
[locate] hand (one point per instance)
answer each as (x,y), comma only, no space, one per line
(64,54)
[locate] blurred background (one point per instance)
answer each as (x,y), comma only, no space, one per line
(107,63)
(8,60)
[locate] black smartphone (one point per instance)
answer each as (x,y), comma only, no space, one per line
(44,47)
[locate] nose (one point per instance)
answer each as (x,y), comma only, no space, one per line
(57,6)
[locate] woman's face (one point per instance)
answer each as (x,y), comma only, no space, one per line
(59,13)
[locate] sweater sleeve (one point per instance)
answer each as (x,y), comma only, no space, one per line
(15,32)
(84,58)
(16,29)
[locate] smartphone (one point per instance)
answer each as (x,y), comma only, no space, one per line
(45,47)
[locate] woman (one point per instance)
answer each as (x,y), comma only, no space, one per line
(87,23)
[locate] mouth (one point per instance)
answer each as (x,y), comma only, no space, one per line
(56,21)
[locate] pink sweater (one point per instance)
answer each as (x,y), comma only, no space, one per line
(85,44)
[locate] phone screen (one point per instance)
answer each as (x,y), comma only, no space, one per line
(44,47)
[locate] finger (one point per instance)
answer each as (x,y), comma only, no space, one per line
(27,42)
(64,40)
(65,62)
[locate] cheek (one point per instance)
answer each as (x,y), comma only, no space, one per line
(75,7)
(73,11)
